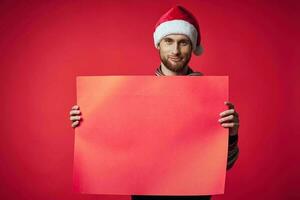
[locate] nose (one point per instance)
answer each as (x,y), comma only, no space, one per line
(175,49)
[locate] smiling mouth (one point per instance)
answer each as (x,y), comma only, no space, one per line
(175,59)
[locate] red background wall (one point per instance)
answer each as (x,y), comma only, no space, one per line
(44,45)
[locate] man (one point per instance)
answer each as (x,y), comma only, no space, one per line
(176,37)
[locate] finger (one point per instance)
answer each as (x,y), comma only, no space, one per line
(74,124)
(230,125)
(76,107)
(227,112)
(229,104)
(74,112)
(75,118)
(229,118)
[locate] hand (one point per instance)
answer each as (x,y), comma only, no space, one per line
(75,116)
(230,119)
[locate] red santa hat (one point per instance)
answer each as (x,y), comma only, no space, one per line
(178,20)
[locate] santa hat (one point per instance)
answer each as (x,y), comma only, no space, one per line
(178,20)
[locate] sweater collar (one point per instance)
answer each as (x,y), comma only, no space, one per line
(190,72)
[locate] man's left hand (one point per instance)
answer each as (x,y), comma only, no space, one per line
(230,119)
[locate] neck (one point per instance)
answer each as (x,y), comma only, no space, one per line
(168,72)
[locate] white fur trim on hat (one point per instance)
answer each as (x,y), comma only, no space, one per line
(175,27)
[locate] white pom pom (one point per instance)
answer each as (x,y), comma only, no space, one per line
(199,50)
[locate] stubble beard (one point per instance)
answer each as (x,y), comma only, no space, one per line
(178,67)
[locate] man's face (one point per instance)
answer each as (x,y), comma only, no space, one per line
(175,51)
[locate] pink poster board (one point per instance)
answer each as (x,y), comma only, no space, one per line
(151,135)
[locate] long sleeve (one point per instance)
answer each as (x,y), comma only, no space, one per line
(233,151)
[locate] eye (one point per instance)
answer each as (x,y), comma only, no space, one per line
(168,41)
(184,43)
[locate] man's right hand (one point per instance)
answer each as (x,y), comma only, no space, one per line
(75,116)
